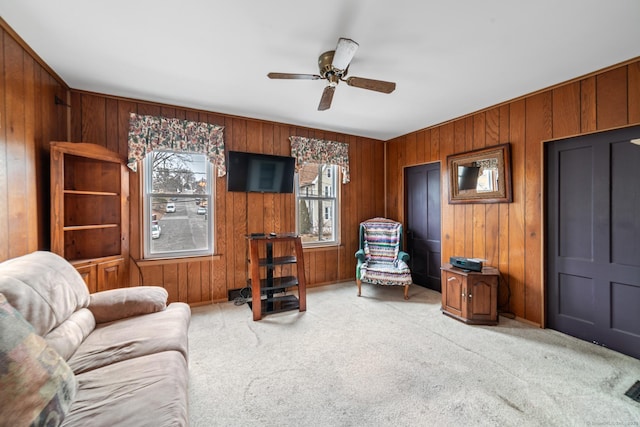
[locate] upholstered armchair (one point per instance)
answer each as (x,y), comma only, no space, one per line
(381,260)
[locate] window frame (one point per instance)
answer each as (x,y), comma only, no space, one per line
(332,173)
(148,194)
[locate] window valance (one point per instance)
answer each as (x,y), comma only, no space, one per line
(311,150)
(148,133)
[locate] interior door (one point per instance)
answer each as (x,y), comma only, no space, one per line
(422,195)
(593,239)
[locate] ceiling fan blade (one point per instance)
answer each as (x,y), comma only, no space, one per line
(343,55)
(293,76)
(327,97)
(370,84)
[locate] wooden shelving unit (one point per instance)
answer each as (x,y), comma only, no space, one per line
(90,212)
(265,286)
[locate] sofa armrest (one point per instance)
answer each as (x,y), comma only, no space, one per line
(121,303)
(403,256)
(360,255)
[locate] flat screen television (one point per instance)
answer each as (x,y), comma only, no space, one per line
(259,173)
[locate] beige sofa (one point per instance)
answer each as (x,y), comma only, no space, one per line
(67,357)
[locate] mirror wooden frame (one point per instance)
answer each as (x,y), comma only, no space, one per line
(497,154)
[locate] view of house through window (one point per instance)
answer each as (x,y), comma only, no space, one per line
(317,204)
(177,205)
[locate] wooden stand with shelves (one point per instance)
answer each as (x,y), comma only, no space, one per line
(90,212)
(470,296)
(268,285)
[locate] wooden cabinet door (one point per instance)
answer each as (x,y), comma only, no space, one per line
(88,273)
(482,298)
(109,274)
(453,288)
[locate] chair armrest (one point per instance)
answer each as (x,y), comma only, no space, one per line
(360,255)
(403,256)
(116,304)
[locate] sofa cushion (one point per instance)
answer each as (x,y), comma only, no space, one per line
(115,304)
(145,391)
(134,337)
(67,337)
(36,384)
(44,288)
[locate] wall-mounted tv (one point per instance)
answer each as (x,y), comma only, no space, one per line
(259,173)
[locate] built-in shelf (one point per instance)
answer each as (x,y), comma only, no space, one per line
(91,193)
(89,227)
(90,212)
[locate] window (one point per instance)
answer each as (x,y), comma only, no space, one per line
(317,204)
(177,206)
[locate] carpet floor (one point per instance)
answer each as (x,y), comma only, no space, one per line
(379,360)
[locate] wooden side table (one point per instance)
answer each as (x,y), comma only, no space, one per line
(470,296)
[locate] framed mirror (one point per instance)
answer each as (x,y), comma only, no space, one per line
(480,176)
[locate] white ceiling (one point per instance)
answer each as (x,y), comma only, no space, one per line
(448,57)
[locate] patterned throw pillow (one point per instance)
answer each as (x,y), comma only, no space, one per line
(36,384)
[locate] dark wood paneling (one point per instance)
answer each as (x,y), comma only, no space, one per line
(509,235)
(94,119)
(478,223)
(4,179)
(29,119)
(16,145)
(503,223)
(588,104)
(516,209)
(538,128)
(492,211)
(106,118)
(634,92)
(566,110)
(611,96)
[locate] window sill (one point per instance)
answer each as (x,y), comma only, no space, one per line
(322,247)
(164,261)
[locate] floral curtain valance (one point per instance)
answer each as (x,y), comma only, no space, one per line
(311,150)
(148,133)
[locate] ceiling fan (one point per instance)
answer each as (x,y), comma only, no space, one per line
(334,65)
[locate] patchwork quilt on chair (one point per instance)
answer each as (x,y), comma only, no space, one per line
(381,247)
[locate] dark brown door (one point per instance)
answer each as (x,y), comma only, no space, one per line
(593,239)
(422,188)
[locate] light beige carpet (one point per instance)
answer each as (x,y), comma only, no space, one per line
(379,360)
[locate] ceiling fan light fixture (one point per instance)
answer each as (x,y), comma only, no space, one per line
(344,52)
(333,66)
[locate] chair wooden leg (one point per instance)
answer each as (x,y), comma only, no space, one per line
(406,291)
(359,283)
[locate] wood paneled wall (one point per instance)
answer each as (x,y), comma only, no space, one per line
(29,119)
(104,120)
(510,236)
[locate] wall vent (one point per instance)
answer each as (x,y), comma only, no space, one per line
(634,392)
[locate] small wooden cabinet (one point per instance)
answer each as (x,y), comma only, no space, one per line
(470,296)
(90,212)
(101,274)
(264,259)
